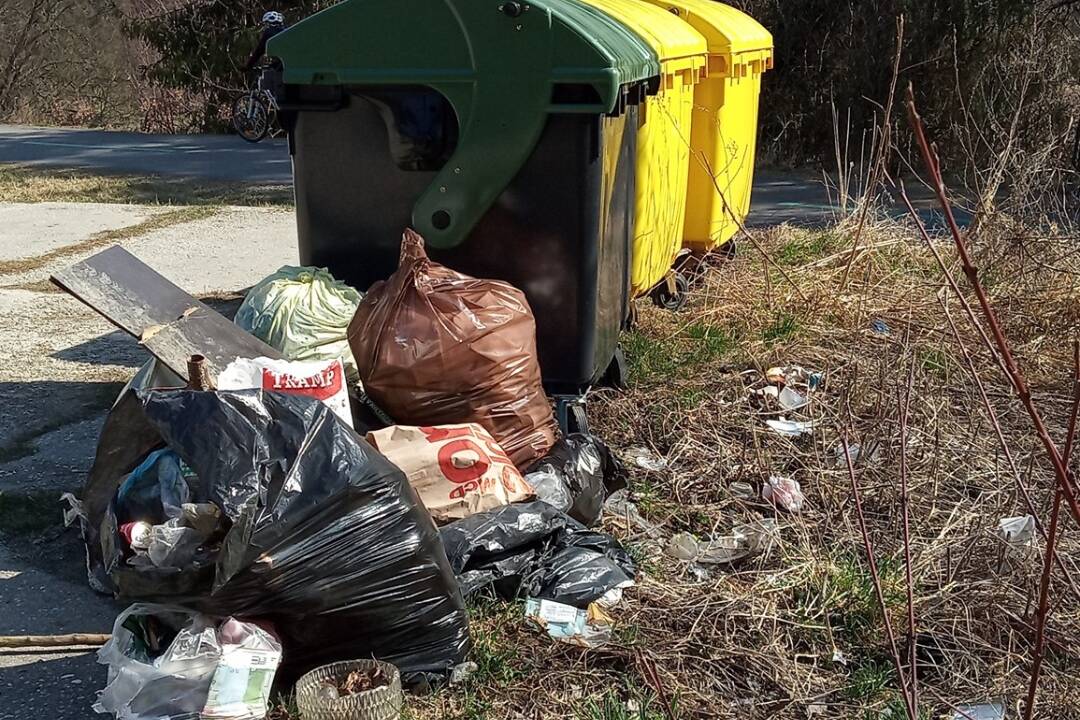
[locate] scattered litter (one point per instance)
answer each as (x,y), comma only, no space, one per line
(303,312)
(646,459)
(462,672)
(532,549)
(769,391)
(984,711)
(74,510)
(742,490)
(470,355)
(816,709)
(868,458)
(1017,531)
(171,663)
(589,628)
(784,493)
(1019,536)
(880,327)
(790,428)
(839,657)
(776,375)
(744,541)
(457,470)
(323,380)
(620,506)
(815,380)
(792,400)
(576,476)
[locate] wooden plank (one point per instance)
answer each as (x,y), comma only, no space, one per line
(169,322)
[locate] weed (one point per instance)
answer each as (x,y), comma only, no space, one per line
(630,703)
(934,360)
(869,680)
(804,248)
(496,656)
(783,327)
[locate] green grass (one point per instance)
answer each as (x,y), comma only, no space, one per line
(934,360)
(628,703)
(841,591)
(29,513)
(784,327)
(499,661)
(807,247)
(29,185)
(869,680)
(654,360)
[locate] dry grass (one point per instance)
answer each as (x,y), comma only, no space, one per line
(798,633)
(26,184)
(168,218)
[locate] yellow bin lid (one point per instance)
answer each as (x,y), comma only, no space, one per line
(678,46)
(730,33)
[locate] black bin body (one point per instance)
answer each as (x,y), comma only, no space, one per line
(561,231)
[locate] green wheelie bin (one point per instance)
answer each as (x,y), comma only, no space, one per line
(504,132)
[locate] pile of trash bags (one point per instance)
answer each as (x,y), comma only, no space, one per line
(269,513)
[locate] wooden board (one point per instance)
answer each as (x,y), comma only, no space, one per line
(170,323)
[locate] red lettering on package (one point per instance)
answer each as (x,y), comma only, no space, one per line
(321,385)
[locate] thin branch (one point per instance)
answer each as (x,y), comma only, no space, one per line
(1043,610)
(904,407)
(876,577)
(880,156)
(1005,449)
(1016,377)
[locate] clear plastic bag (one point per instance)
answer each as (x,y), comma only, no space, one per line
(171,686)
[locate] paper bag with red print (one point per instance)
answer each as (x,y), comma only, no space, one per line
(457,470)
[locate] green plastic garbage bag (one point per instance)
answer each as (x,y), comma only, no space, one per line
(303,312)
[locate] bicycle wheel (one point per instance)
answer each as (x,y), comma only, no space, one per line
(251,117)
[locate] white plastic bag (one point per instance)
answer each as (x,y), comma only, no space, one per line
(303,312)
(323,380)
(170,686)
(209,668)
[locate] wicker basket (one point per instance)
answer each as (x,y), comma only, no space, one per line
(381,703)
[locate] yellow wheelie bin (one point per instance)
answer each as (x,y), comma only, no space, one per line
(664,136)
(724,135)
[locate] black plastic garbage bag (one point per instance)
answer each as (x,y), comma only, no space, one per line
(532,549)
(327,540)
(576,476)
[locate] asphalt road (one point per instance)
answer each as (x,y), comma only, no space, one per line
(796,197)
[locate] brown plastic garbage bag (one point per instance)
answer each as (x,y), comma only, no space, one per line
(436,347)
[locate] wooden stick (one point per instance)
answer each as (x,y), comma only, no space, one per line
(44,641)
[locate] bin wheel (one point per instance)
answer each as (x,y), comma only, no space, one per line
(576,419)
(616,374)
(663,296)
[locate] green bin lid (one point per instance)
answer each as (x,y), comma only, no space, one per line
(430,42)
(497,62)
